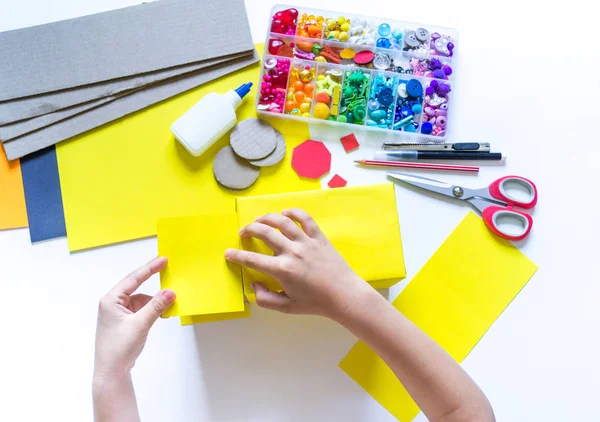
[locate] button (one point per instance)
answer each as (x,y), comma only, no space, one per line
(385,97)
(422,34)
(411,39)
(414,88)
(402,91)
(364,57)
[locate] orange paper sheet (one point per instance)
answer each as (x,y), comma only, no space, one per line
(13,213)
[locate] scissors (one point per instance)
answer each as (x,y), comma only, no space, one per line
(495,202)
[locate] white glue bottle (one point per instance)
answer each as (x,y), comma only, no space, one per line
(209,119)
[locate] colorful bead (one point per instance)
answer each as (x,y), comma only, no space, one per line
(310,26)
(284,22)
(354,99)
(436,108)
(300,89)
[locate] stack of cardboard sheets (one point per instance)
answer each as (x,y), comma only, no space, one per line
(68,77)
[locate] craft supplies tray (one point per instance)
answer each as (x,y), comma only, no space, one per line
(356,71)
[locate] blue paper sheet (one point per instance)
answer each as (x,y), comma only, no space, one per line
(43,196)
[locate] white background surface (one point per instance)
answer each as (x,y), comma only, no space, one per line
(527,82)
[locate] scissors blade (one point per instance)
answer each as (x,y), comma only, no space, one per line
(425,183)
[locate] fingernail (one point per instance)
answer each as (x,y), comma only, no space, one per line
(228,253)
(169,295)
(241,231)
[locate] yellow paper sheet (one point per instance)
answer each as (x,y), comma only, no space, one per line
(455,298)
(201,319)
(204,282)
(361,222)
(13,213)
(119,179)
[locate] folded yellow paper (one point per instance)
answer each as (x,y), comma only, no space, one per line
(119,179)
(455,298)
(361,222)
(201,319)
(204,282)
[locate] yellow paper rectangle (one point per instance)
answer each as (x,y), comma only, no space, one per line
(361,222)
(455,298)
(119,179)
(201,319)
(13,213)
(204,282)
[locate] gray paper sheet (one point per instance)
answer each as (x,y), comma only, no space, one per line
(23,127)
(66,129)
(119,43)
(40,105)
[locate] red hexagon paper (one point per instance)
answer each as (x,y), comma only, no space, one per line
(311,159)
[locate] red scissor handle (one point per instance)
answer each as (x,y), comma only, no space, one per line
(507,223)
(516,191)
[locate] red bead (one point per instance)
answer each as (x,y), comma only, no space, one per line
(274,45)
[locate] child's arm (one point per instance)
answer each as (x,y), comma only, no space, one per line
(124,320)
(317,280)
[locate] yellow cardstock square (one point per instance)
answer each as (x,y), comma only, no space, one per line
(204,282)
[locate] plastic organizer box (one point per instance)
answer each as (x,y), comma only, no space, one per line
(381,74)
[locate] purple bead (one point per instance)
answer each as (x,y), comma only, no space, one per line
(435,64)
(439,74)
(450,46)
(434,84)
(443,90)
(429,90)
(435,36)
(447,70)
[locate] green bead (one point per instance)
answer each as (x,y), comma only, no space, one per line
(342,119)
(360,112)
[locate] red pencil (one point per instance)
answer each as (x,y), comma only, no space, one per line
(411,165)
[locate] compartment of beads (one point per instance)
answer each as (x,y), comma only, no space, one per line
(358,64)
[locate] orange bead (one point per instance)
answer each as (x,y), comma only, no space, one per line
(289,105)
(298,86)
(313,30)
(299,96)
(308,90)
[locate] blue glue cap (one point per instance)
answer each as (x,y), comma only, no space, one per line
(243,89)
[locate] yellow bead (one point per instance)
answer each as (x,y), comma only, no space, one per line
(305,115)
(322,60)
(343,37)
(341,20)
(345,27)
(320,77)
(321,111)
(305,107)
(334,34)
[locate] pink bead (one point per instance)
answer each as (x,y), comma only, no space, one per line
(441,112)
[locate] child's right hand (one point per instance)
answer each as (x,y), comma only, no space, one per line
(314,276)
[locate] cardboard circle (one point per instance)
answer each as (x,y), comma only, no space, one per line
(232,171)
(274,157)
(253,139)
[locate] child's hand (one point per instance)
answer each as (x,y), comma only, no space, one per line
(314,276)
(124,320)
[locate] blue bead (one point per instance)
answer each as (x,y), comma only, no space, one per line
(383,43)
(384,30)
(397,34)
(426,128)
(409,128)
(417,108)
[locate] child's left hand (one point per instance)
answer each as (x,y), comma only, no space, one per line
(124,320)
